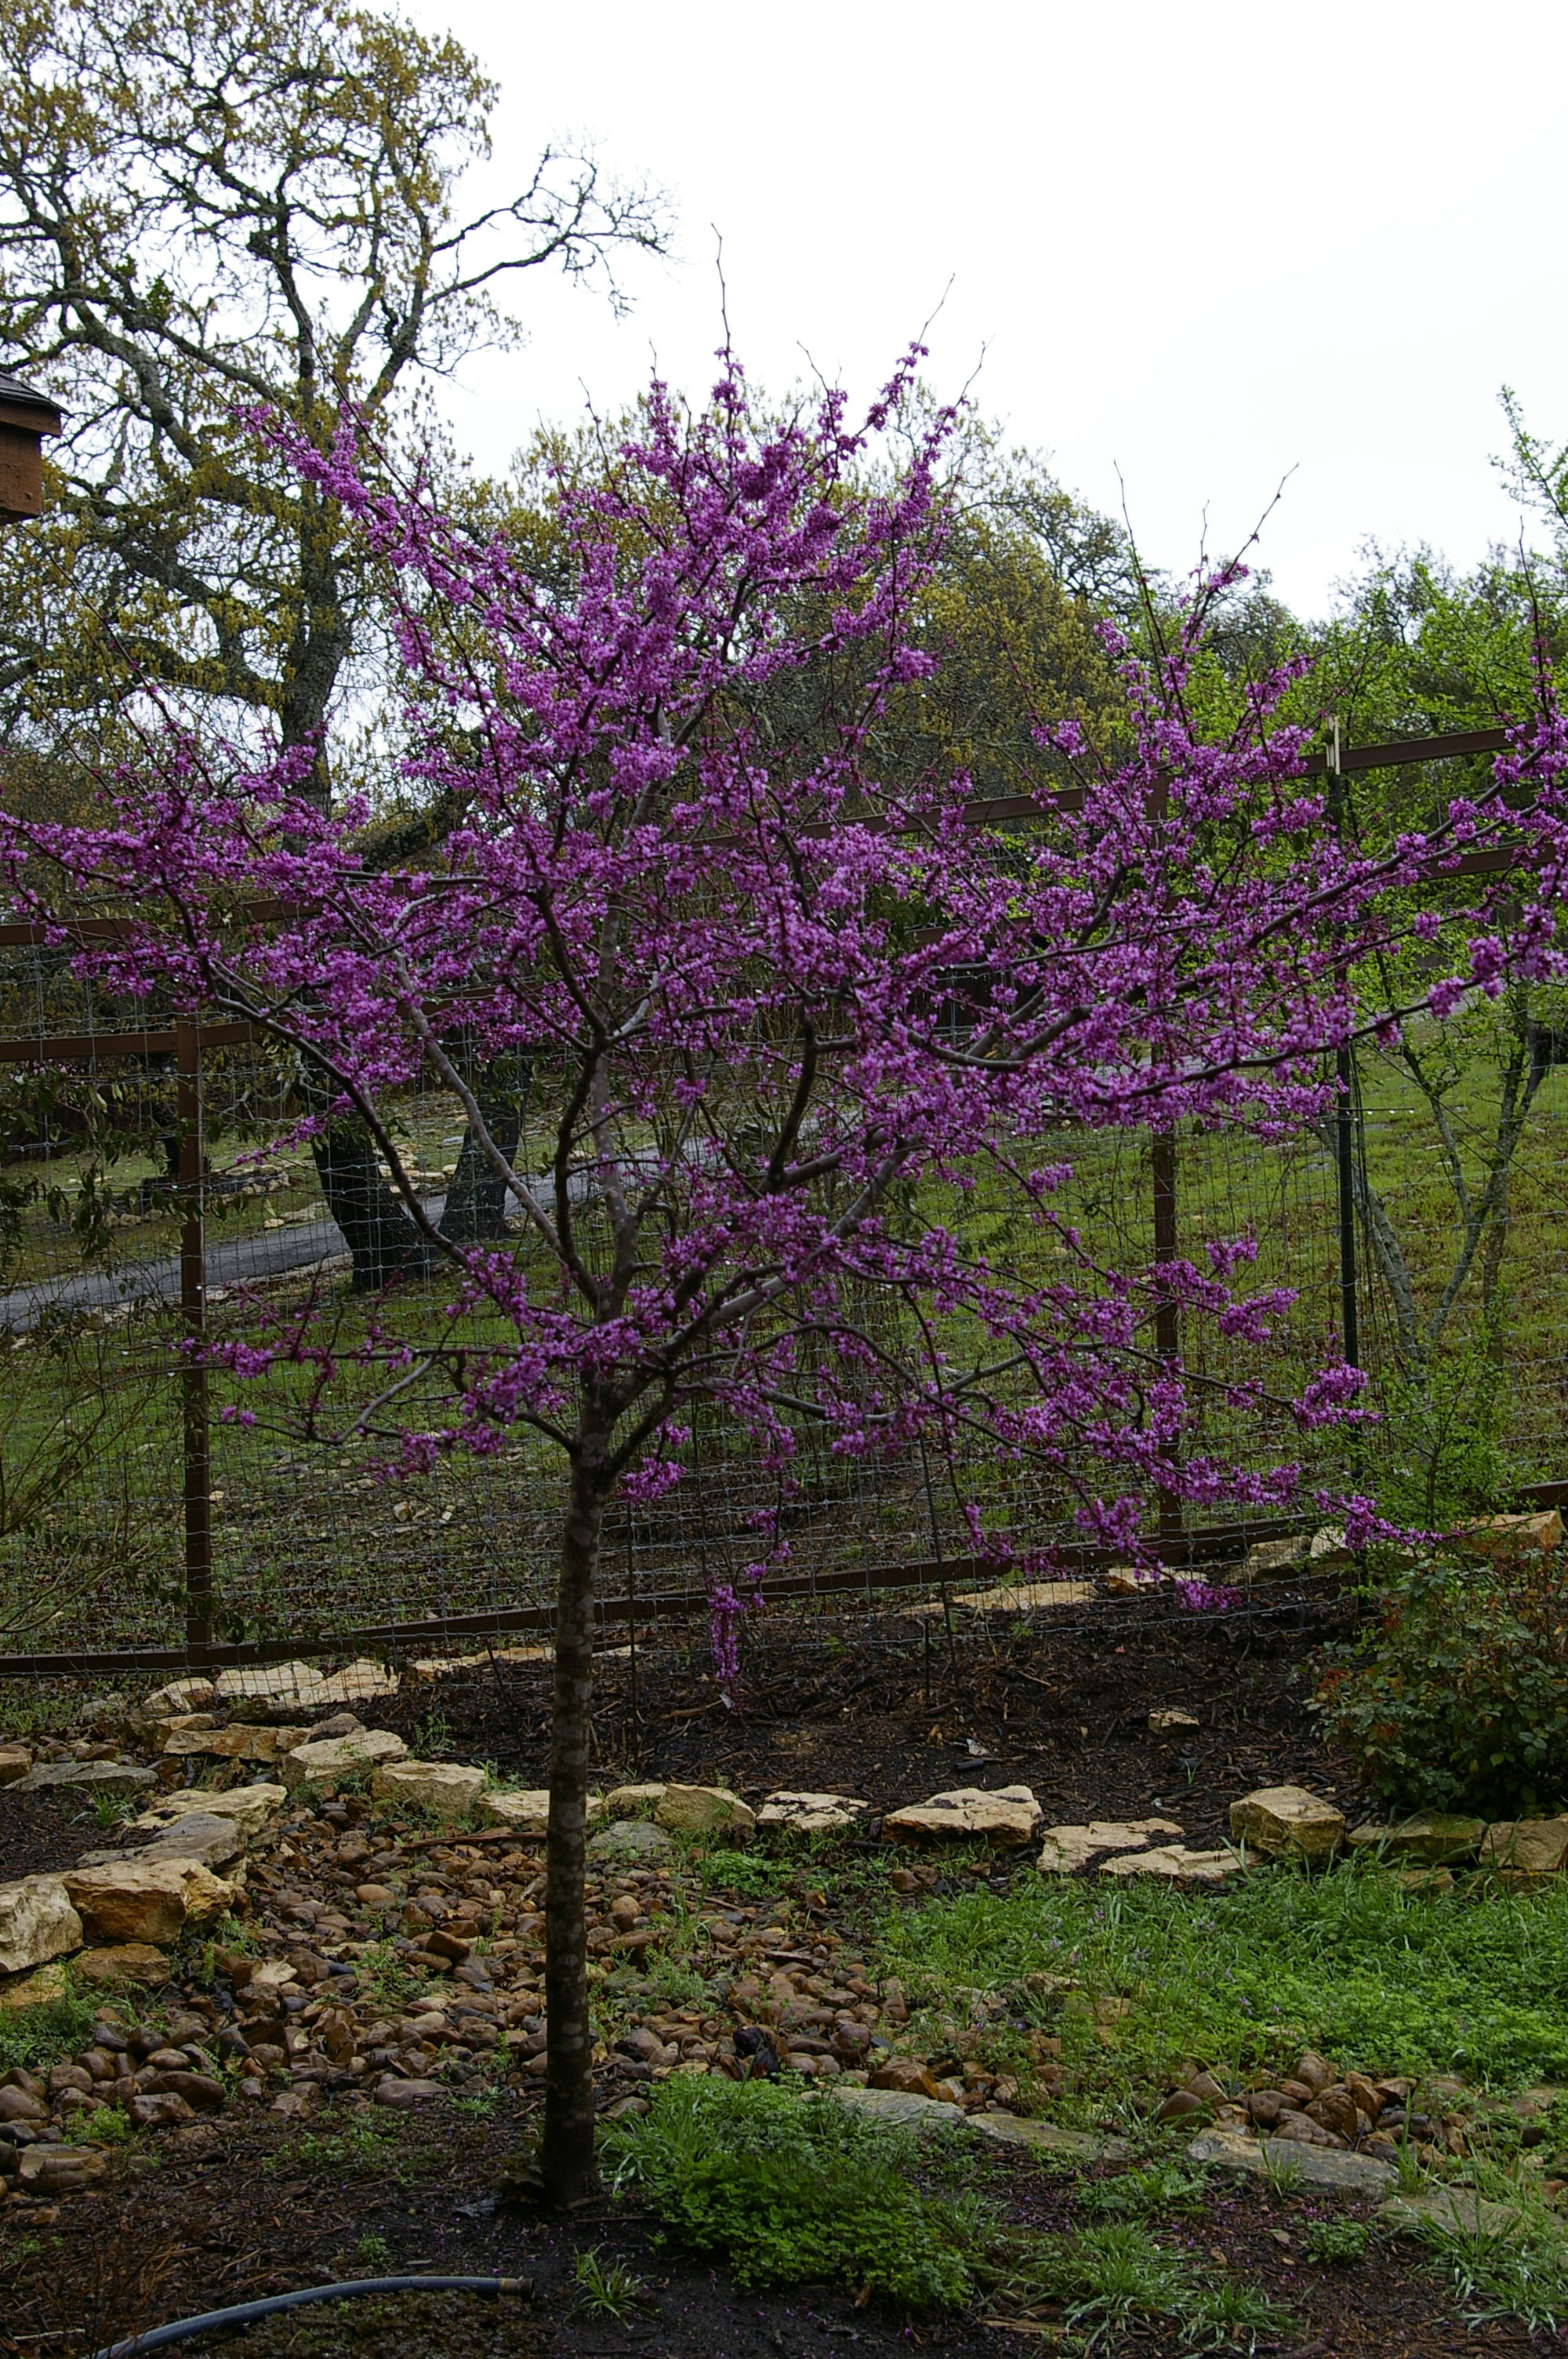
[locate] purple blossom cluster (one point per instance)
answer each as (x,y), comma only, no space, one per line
(783,996)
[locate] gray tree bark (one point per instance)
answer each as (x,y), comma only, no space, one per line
(567,2158)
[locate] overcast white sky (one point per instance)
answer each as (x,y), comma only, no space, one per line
(1201,243)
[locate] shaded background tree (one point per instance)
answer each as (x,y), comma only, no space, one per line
(206,209)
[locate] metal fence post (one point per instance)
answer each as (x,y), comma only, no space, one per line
(1167,1314)
(1344,1113)
(197,1444)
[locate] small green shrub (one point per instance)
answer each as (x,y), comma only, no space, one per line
(105,2125)
(1170,2186)
(1338,2244)
(39,2034)
(1459,1699)
(739,1872)
(791,2188)
(1439,1450)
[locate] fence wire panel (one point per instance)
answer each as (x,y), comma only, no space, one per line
(106,1169)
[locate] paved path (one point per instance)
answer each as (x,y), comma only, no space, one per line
(231,1261)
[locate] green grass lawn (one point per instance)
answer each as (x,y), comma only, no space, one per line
(1378,1978)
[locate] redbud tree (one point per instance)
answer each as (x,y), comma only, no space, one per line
(785,1013)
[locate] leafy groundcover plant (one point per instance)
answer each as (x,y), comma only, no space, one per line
(785,2190)
(1457,1698)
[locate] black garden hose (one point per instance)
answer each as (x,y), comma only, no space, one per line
(245,2313)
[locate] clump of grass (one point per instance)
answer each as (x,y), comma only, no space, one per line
(113,1810)
(606,2288)
(1515,2271)
(1345,1960)
(788,2189)
(1111,2281)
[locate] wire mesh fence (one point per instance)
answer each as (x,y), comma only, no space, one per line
(140,1212)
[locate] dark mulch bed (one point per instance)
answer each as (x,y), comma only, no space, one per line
(891,1708)
(41,1833)
(230,2214)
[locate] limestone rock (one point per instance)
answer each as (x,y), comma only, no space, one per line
(252,1807)
(1500,1536)
(282,1683)
(1526,1846)
(632,1842)
(1133,1580)
(193,1694)
(304,1685)
(1008,1815)
(1459,2210)
(241,1741)
(1049,2137)
(157,1732)
(128,1965)
(404,2095)
(441,1667)
(907,2075)
(1437,1836)
(1026,1596)
(917,2112)
(1166,1722)
(98,1777)
(705,1811)
(37,1922)
(1323,1551)
(360,1682)
(1275,1560)
(57,2170)
(1066,1849)
(271,1975)
(526,1809)
(1176,1862)
(1286,1821)
(155,1715)
(133,1903)
(812,1814)
(41,1987)
(624,1801)
(310,1766)
(216,1842)
(15,1762)
(211,1836)
(1314,2166)
(447,1789)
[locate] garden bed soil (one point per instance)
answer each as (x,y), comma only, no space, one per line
(233,2212)
(41,1833)
(891,1709)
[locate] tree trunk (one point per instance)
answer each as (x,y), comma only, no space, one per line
(477,1199)
(566,2159)
(382,1240)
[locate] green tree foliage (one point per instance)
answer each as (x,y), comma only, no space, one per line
(209,207)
